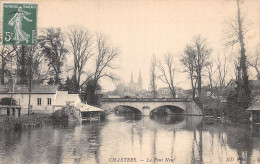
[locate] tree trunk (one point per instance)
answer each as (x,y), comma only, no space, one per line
(23,67)
(93,92)
(57,75)
(192,86)
(30,83)
(199,83)
(245,85)
(57,79)
(3,71)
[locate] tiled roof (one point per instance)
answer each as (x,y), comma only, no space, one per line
(255,106)
(45,89)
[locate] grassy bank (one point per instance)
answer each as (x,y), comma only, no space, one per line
(25,121)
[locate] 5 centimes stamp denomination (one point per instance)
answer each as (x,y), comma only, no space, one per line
(19,23)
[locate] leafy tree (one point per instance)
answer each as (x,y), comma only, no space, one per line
(86,94)
(52,44)
(69,86)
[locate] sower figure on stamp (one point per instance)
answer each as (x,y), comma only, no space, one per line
(17,22)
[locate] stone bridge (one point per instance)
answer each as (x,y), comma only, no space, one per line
(147,105)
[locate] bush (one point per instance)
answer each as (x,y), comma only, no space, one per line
(60,115)
(66,113)
(235,109)
(10,122)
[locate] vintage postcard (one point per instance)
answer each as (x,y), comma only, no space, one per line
(129,81)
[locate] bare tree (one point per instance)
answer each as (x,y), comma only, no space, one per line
(52,44)
(80,46)
(153,75)
(196,59)
(201,59)
(254,62)
(220,81)
(234,60)
(235,33)
(211,73)
(167,70)
(187,60)
(222,67)
(104,63)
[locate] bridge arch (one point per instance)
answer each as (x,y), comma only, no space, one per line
(168,109)
(126,108)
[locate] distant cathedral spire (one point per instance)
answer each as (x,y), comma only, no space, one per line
(132,80)
(140,81)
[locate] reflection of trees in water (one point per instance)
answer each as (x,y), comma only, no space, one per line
(78,144)
(177,121)
(194,144)
(89,142)
(154,147)
(197,146)
(237,137)
(240,139)
(55,149)
(33,143)
(222,137)
(65,125)
(72,143)
(129,117)
(166,119)
(127,114)
(9,141)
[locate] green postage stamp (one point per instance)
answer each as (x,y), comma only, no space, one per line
(19,22)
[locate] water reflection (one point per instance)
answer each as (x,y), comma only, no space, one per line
(128,116)
(167,139)
(168,119)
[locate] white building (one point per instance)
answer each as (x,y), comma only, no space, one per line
(44,98)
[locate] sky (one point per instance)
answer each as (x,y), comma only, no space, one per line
(141,28)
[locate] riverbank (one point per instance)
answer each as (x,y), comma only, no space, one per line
(68,113)
(25,121)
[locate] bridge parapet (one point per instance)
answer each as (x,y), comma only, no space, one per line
(145,100)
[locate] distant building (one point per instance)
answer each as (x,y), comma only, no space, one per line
(164,92)
(131,88)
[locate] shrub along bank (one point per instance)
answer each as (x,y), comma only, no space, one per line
(25,121)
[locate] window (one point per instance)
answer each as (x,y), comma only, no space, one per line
(39,101)
(48,101)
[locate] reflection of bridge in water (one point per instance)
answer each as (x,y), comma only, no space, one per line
(147,105)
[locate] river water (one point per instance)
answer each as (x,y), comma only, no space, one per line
(127,139)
